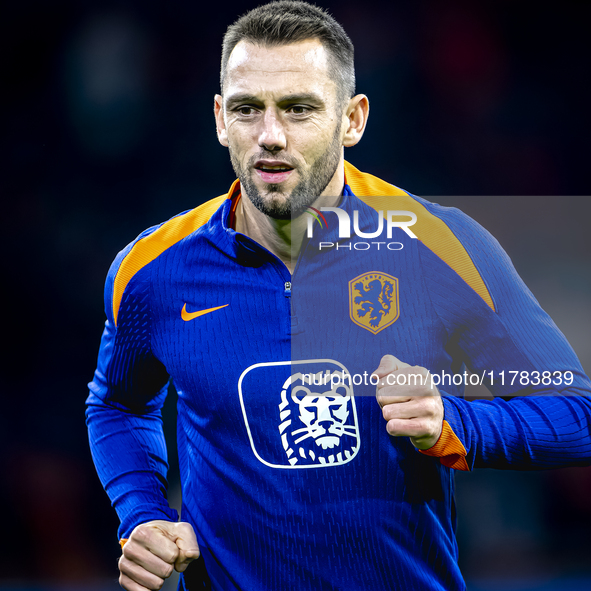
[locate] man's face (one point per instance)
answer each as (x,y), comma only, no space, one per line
(280,122)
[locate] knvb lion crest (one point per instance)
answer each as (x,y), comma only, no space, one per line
(373,301)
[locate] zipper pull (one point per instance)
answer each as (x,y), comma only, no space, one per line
(294,319)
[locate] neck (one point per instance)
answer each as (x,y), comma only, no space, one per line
(284,238)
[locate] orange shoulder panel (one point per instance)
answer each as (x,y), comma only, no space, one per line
(147,249)
(429,229)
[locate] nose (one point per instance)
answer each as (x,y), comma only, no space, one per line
(272,134)
(323,413)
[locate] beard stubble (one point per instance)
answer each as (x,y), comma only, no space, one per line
(304,193)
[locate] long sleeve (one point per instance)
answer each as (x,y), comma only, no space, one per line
(124,409)
(540,417)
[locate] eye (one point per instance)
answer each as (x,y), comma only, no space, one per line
(299,109)
(245,110)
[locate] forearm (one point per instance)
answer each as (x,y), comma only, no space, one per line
(129,452)
(503,331)
(524,432)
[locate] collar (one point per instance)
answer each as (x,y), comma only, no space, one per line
(251,253)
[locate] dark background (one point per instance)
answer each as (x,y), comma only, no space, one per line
(107,129)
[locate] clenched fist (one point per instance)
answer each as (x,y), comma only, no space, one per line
(411,405)
(153,551)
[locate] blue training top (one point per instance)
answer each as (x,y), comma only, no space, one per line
(288,474)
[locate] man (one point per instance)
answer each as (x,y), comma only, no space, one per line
(292,475)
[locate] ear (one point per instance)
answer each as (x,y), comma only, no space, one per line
(356,119)
(220,124)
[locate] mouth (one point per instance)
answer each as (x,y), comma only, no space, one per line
(327,442)
(273,171)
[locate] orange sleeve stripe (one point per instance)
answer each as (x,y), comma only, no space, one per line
(449,449)
(147,249)
(122,542)
(430,230)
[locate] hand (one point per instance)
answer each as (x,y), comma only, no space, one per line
(411,408)
(153,550)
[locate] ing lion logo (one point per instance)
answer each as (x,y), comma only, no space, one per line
(317,423)
(373,301)
(300,414)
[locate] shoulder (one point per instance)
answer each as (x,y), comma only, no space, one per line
(432,218)
(149,245)
(453,237)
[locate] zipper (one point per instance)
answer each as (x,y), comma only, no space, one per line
(287,294)
(293,320)
(281,269)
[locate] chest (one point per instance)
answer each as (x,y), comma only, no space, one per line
(213,319)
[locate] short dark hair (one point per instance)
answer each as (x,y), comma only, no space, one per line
(288,21)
